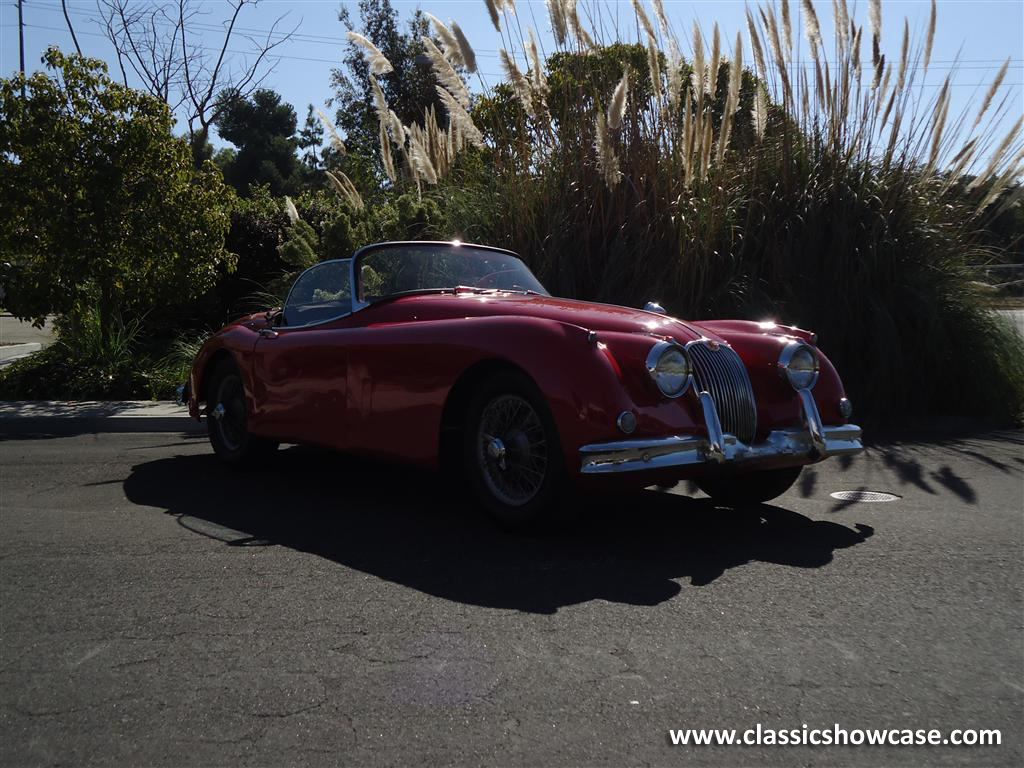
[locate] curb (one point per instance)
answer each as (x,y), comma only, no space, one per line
(49,417)
(11,352)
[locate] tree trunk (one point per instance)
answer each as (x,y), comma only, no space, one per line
(107,312)
(201,149)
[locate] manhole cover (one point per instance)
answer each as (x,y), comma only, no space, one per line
(868,496)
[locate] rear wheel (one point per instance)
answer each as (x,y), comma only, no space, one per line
(511,451)
(749,487)
(227,419)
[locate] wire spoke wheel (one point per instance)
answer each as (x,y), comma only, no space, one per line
(229,412)
(512,449)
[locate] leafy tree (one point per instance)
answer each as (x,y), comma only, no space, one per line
(263,129)
(409,89)
(224,157)
(100,206)
(310,140)
(300,249)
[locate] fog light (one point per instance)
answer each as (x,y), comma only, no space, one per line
(627,422)
(845,408)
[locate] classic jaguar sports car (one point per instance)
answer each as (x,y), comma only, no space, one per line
(447,353)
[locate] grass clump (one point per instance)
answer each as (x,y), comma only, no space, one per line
(726,178)
(85,364)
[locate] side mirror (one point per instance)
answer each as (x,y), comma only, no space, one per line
(653,306)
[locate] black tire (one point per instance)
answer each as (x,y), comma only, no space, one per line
(749,488)
(517,474)
(227,425)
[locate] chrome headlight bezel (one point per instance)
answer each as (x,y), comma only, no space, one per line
(655,359)
(800,364)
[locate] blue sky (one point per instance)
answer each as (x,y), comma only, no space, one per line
(983,33)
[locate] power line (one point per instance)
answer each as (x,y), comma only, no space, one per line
(210,27)
(200,47)
(485,53)
(493,52)
(486,74)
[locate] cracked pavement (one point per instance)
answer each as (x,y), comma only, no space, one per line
(158,609)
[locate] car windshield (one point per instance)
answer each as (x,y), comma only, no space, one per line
(401,268)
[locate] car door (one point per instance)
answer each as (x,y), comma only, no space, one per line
(300,364)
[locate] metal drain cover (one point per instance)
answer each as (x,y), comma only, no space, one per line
(868,496)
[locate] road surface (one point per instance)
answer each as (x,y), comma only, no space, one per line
(158,609)
(14,331)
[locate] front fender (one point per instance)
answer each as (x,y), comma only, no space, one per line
(396,407)
(588,378)
(236,341)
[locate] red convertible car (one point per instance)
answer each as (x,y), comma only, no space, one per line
(448,353)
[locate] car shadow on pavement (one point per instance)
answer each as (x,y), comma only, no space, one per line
(413,528)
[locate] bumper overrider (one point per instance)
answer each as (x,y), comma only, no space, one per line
(814,441)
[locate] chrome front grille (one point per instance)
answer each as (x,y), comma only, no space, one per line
(719,371)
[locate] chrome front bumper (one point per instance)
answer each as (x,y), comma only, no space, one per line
(815,441)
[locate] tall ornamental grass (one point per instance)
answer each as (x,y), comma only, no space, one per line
(774,175)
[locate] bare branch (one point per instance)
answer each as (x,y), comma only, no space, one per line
(155,42)
(71,29)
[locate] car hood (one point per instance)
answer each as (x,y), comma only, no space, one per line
(586,314)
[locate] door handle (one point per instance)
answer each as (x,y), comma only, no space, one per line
(267,333)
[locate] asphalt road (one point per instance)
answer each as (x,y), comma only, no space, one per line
(160,610)
(14,331)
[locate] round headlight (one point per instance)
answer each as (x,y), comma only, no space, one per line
(669,367)
(799,363)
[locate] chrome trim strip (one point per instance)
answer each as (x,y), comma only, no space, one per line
(682,450)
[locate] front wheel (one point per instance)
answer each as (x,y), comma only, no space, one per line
(511,451)
(227,419)
(746,488)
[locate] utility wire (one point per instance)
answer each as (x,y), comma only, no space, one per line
(339,62)
(493,52)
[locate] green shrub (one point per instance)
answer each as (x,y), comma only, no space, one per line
(258,224)
(100,204)
(66,371)
(85,364)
